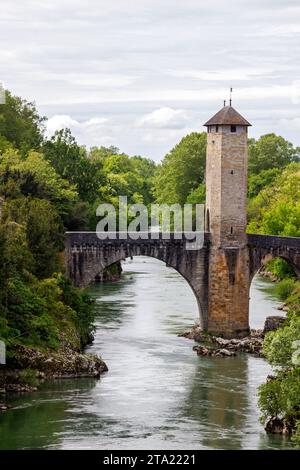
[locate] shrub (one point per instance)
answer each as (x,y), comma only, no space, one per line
(280,268)
(285,288)
(28,377)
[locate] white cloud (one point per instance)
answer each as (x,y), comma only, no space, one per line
(230,74)
(164,118)
(59,122)
(289,29)
(165,135)
(94,131)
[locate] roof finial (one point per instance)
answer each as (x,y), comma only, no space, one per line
(230,100)
(224,102)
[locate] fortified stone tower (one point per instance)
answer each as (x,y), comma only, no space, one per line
(226,220)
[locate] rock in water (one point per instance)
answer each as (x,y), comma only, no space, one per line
(3,407)
(274,426)
(213,352)
(273,322)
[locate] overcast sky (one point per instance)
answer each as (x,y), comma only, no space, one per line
(141,74)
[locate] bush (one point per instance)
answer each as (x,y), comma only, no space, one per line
(28,377)
(47,314)
(279,397)
(281,269)
(296,436)
(285,288)
(82,305)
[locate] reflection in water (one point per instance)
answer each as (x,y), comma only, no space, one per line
(158,393)
(218,397)
(37,420)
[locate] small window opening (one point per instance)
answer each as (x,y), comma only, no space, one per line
(217,128)
(207,221)
(232,172)
(232,128)
(208,130)
(231,230)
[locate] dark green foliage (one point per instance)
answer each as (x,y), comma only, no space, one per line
(83,306)
(20,124)
(271,151)
(29,377)
(285,287)
(44,232)
(38,307)
(258,181)
(280,268)
(182,170)
(280,396)
(72,163)
(197,196)
(276,208)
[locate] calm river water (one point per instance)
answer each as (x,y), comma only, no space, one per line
(157,394)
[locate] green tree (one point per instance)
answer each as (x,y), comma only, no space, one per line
(197,196)
(258,181)
(279,397)
(128,176)
(33,176)
(182,170)
(20,124)
(100,153)
(276,209)
(271,151)
(72,163)
(44,232)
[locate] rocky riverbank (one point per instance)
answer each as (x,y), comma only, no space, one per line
(219,347)
(31,366)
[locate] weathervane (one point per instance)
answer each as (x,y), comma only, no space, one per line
(230,100)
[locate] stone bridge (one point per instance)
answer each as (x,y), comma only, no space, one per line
(221,271)
(87,256)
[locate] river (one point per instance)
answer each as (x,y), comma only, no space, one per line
(158,394)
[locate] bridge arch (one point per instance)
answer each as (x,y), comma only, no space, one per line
(87,256)
(201,307)
(263,248)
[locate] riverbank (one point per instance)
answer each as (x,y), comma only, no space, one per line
(30,366)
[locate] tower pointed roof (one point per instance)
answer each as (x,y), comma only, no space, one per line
(228,116)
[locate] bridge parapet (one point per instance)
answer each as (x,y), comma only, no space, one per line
(92,239)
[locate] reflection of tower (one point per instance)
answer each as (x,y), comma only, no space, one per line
(217,402)
(226,220)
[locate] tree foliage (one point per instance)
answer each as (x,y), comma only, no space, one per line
(71,162)
(279,397)
(20,124)
(276,208)
(271,151)
(182,170)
